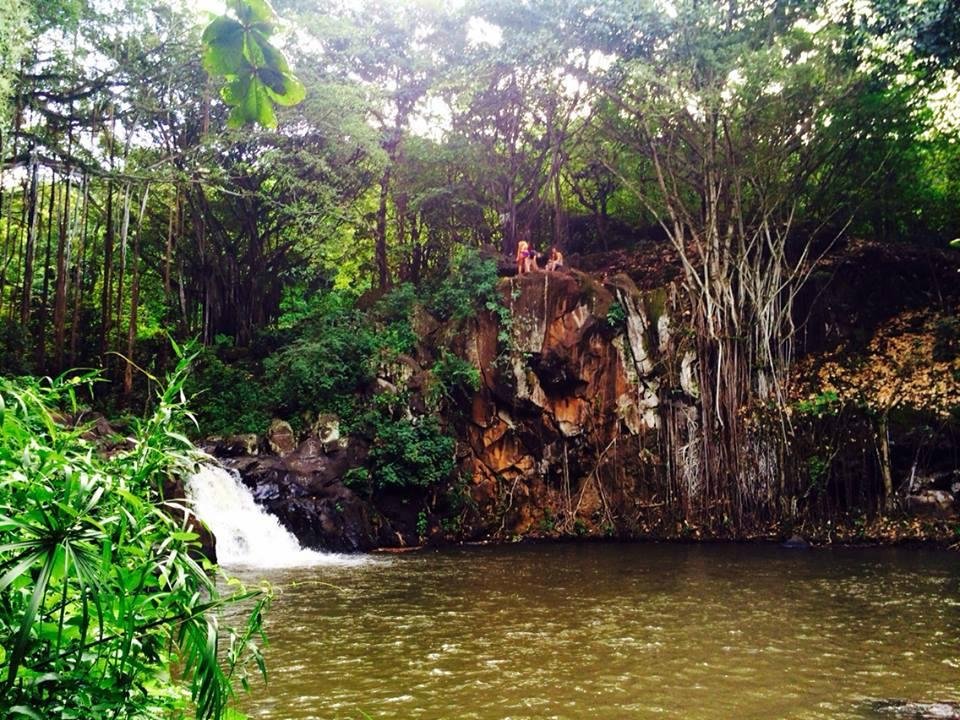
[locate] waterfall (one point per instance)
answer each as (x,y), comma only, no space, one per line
(247,535)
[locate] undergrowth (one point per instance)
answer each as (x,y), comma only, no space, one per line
(102,591)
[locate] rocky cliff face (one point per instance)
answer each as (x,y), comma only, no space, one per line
(587,422)
(564,434)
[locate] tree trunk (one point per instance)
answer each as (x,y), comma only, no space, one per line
(32,220)
(168,251)
(886,466)
(383,270)
(121,276)
(558,218)
(18,248)
(510,227)
(60,291)
(107,278)
(108,240)
(134,299)
(41,338)
(80,271)
(416,253)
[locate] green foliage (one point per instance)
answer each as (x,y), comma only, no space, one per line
(453,504)
(228,397)
(14,348)
(452,376)
(331,362)
(408,452)
(824,404)
(548,523)
(393,316)
(470,284)
(616,316)
(15,35)
(257,74)
(329,366)
(101,592)
(817,468)
(357,478)
(396,305)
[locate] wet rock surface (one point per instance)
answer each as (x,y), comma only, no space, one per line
(174,495)
(795,542)
(304,488)
(917,710)
(569,407)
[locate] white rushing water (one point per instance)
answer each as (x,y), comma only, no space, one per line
(247,535)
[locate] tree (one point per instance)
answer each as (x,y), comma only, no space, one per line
(730,105)
(517,101)
(394,52)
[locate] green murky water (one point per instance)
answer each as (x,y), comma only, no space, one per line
(613,631)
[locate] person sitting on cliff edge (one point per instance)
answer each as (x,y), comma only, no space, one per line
(555,261)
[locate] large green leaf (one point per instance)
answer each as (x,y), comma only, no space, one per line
(223,47)
(234,92)
(253,43)
(257,73)
(252,11)
(282,88)
(250,102)
(272,57)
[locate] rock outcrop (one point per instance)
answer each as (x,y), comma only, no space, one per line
(587,421)
(303,486)
(569,412)
(908,710)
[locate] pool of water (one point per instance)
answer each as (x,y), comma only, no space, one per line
(600,631)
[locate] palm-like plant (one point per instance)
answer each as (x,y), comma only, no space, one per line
(103,593)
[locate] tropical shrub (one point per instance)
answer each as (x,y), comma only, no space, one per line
(330,362)
(406,451)
(228,397)
(392,318)
(470,285)
(452,375)
(102,591)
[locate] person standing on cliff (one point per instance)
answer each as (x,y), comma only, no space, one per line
(522,248)
(526,258)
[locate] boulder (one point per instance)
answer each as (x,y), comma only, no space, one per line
(795,542)
(244,444)
(326,429)
(280,438)
(335,522)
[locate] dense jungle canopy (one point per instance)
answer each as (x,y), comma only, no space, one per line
(129,208)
